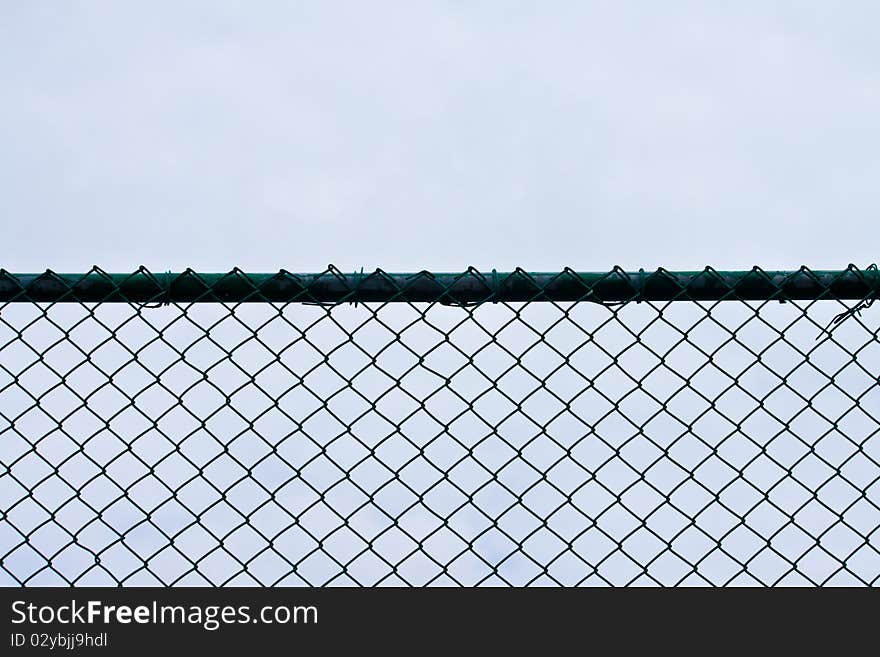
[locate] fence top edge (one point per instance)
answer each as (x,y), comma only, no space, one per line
(470,287)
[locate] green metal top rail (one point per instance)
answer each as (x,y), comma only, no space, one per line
(467,288)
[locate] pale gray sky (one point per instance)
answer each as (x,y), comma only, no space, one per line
(416,135)
(438,134)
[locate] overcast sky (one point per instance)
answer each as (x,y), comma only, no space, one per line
(438,135)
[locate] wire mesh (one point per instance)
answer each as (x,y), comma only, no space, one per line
(158,432)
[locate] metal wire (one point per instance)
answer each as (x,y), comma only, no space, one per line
(615,428)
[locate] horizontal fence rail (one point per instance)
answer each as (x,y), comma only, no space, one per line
(480,428)
(472,286)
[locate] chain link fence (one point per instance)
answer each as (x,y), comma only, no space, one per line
(620,428)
